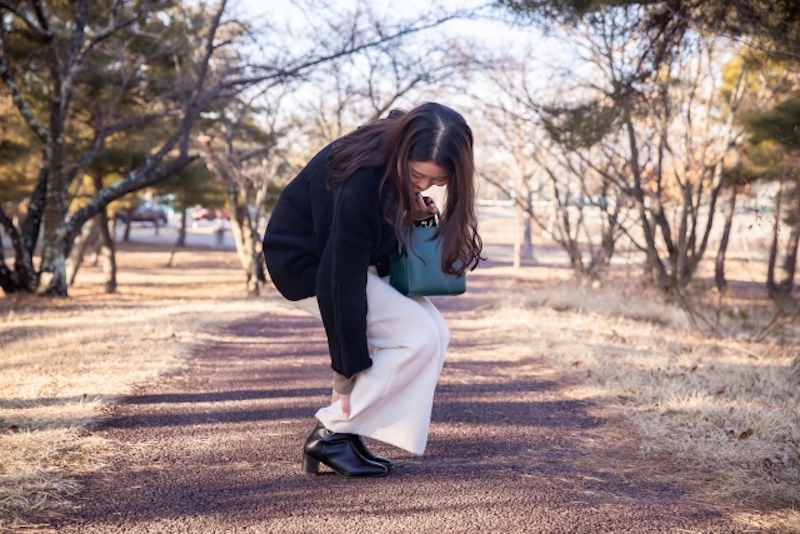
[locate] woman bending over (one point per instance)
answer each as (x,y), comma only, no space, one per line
(327,247)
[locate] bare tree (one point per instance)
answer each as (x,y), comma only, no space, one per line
(60,42)
(670,129)
(246,159)
(70,40)
(358,88)
(508,166)
(582,210)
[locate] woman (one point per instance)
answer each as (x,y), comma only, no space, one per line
(326,248)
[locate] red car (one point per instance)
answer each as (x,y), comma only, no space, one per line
(199,212)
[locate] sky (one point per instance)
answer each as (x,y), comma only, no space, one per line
(541,55)
(494,34)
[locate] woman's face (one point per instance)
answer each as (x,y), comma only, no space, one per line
(424,174)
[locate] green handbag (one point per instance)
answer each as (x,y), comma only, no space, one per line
(419,272)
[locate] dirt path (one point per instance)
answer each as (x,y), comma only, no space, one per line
(218,448)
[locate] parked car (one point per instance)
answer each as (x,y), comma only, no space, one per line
(199,212)
(147,212)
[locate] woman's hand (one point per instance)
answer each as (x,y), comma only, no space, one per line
(423,207)
(345,402)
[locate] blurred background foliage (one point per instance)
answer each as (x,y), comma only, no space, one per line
(652,124)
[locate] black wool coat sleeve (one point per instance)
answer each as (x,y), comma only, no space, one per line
(355,233)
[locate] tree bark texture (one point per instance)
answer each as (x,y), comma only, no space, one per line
(719,262)
(88,235)
(52,273)
(245,246)
(180,242)
(24,277)
(654,264)
(522,240)
(772,286)
(126,233)
(8,281)
(32,224)
(241,222)
(108,254)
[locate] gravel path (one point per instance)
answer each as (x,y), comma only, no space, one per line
(218,448)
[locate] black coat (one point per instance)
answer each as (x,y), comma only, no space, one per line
(320,242)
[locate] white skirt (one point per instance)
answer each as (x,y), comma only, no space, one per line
(392,400)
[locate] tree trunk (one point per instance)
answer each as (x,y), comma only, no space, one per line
(8,281)
(527,237)
(53,276)
(96,252)
(181,241)
(32,224)
(794,370)
(654,265)
(24,275)
(106,250)
(772,286)
(258,265)
(790,267)
(784,287)
(242,225)
(53,271)
(609,236)
(519,235)
(719,263)
(87,235)
(527,219)
(245,246)
(108,253)
(522,239)
(261,197)
(126,236)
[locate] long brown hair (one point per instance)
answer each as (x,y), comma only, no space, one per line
(430,132)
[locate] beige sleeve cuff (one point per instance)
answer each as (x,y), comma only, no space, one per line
(342,385)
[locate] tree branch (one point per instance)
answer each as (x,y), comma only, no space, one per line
(41,14)
(99,140)
(16,95)
(24,261)
(14,9)
(210,48)
(344,51)
(33,218)
(81,52)
(143,176)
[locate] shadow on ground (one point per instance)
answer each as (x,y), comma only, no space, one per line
(218,450)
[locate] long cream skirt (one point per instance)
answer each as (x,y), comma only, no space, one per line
(392,400)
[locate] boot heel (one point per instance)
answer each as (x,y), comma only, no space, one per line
(310,465)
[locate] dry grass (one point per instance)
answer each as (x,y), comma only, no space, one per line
(721,414)
(61,363)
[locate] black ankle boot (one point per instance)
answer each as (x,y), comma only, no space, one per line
(358,445)
(337,452)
